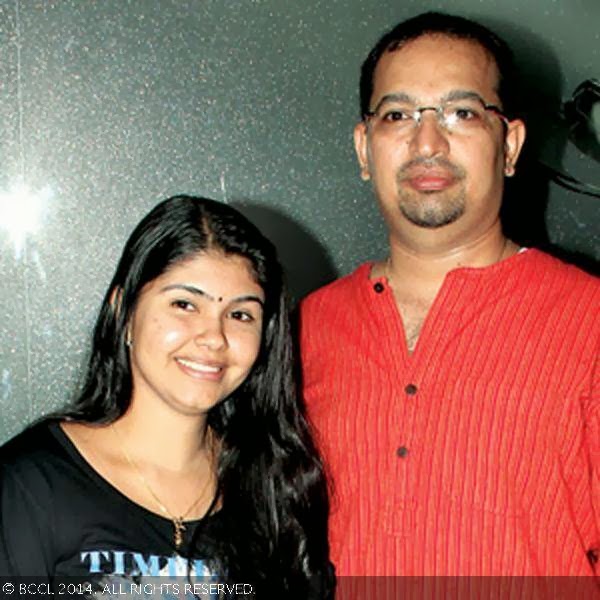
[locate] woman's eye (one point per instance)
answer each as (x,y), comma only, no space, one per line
(242,315)
(183,305)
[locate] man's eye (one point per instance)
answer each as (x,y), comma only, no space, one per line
(183,305)
(392,116)
(463,113)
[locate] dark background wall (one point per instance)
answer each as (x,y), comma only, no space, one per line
(107,107)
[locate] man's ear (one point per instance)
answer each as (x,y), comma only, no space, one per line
(360,146)
(513,142)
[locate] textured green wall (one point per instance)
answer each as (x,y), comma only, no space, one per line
(108,107)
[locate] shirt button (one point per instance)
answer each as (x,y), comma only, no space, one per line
(402,451)
(378,287)
(411,389)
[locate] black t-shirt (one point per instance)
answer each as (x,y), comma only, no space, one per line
(60,519)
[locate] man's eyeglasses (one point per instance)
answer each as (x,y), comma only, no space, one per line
(456,116)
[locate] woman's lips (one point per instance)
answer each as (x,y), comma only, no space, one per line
(197,369)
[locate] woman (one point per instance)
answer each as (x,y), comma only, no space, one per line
(185,452)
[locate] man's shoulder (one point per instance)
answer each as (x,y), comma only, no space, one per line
(548,290)
(343,288)
(553,272)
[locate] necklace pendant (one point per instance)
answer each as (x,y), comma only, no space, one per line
(178,534)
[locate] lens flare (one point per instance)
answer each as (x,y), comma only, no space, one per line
(21,213)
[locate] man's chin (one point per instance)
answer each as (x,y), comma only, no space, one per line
(431,219)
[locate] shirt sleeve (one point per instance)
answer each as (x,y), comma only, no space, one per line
(591,411)
(25,532)
(593,441)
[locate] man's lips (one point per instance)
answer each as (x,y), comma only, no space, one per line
(430,176)
(430,181)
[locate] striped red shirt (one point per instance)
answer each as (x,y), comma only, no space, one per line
(479,454)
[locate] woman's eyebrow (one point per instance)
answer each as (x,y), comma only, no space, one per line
(250,298)
(192,289)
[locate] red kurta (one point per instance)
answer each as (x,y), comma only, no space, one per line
(479,454)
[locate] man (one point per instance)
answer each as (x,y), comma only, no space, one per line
(453,386)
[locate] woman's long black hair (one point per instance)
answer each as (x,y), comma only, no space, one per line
(270,478)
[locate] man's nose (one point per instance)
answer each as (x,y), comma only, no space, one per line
(429,138)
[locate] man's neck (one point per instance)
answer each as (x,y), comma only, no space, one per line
(424,267)
(416,274)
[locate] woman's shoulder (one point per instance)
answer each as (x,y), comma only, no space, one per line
(38,444)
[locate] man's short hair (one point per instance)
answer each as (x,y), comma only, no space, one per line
(435,23)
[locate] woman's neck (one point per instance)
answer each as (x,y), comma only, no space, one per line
(171,442)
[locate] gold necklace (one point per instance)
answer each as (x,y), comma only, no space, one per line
(177,521)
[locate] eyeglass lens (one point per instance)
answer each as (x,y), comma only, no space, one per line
(457,116)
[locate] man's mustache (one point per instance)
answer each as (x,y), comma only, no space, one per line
(404,172)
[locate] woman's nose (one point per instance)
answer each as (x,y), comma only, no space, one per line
(211,334)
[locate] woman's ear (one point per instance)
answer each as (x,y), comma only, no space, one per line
(115,299)
(115,303)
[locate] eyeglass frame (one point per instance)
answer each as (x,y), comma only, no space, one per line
(417,113)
